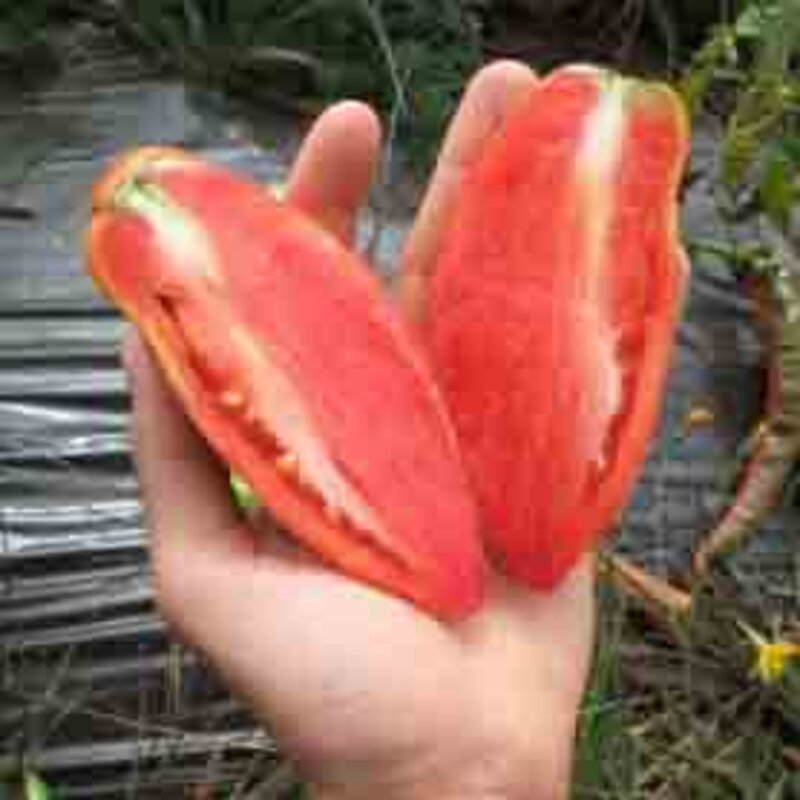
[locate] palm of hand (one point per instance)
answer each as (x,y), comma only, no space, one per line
(367,693)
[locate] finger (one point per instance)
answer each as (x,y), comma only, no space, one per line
(185,489)
(491,95)
(334,170)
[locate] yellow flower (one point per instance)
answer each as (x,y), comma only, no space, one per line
(697,417)
(771,658)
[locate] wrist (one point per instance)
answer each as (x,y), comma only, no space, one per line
(465,788)
(515,767)
(437,793)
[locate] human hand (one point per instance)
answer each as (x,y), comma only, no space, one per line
(370,696)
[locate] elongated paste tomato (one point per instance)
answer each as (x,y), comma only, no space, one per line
(299,372)
(552,310)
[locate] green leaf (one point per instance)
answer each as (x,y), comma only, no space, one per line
(243,495)
(718,52)
(790,146)
(36,788)
(753,22)
(777,190)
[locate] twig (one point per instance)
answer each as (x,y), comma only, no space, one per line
(659,598)
(777,447)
